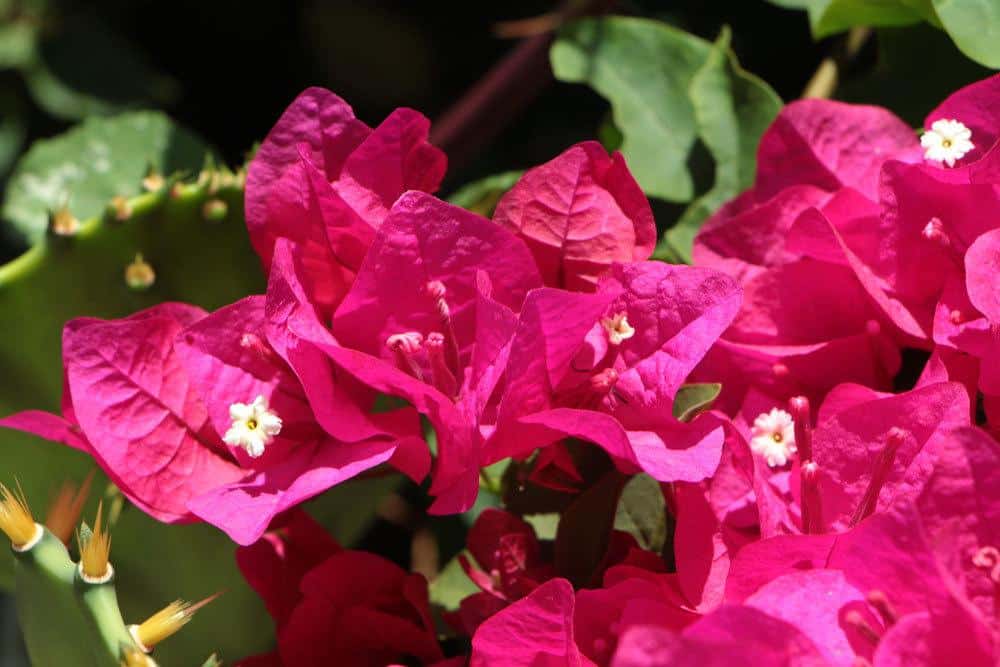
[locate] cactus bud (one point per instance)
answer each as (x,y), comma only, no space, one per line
(133,657)
(154,181)
(16,520)
(63,223)
(95,551)
(139,275)
(120,208)
(166,622)
(176,190)
(214,210)
(66,508)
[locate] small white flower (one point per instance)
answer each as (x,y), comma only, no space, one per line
(946,141)
(618,328)
(254,426)
(773,437)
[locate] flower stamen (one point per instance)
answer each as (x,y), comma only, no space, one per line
(855,620)
(880,473)
(618,328)
(811,501)
(773,437)
(405,346)
(880,602)
(947,141)
(444,379)
(254,426)
(988,558)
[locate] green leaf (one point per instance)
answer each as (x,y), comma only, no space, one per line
(669,90)
(545,525)
(609,135)
(93,162)
(732,108)
(975,27)
(483,195)
(452,585)
(17,41)
(584,531)
(642,512)
(828,17)
(643,68)
(348,510)
(12,128)
(918,53)
(113,76)
(693,399)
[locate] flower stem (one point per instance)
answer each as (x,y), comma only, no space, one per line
(826,77)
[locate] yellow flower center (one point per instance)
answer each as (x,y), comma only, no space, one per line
(252,424)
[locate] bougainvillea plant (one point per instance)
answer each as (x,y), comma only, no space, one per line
(783,453)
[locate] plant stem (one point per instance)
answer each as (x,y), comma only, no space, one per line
(503,92)
(824,81)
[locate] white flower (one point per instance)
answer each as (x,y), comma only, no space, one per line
(773,437)
(254,426)
(946,141)
(618,328)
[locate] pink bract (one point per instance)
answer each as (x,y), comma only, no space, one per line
(567,379)
(150,396)
(579,213)
(326,180)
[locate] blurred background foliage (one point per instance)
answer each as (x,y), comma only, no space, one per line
(224,71)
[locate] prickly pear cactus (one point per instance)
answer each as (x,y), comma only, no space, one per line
(160,236)
(69,611)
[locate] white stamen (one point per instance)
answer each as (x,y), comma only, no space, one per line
(946,141)
(408,342)
(254,426)
(618,328)
(773,437)
(988,558)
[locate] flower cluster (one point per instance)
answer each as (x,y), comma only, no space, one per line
(825,512)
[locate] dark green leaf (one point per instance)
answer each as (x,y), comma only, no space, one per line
(642,512)
(973,25)
(585,529)
(732,108)
(12,129)
(483,195)
(112,77)
(828,17)
(695,398)
(906,55)
(348,509)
